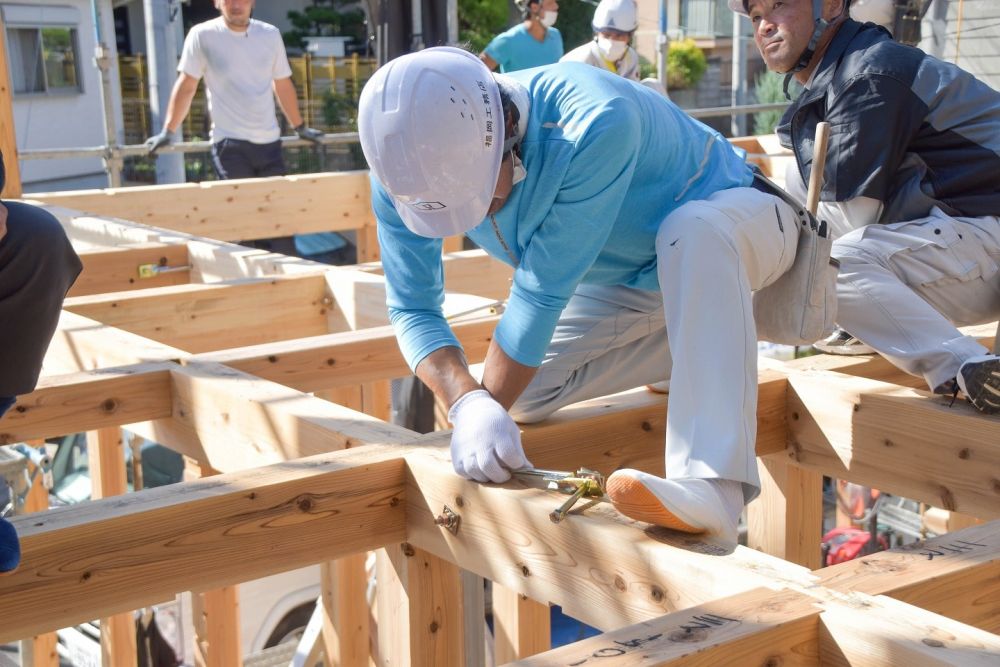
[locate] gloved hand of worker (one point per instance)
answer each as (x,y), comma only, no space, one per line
(486,443)
(309,133)
(158,141)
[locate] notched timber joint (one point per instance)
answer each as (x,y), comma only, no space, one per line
(448,519)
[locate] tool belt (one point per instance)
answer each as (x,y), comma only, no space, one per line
(800,307)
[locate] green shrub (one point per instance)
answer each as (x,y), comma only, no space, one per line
(767,90)
(686,64)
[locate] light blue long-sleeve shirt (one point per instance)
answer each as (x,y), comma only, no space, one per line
(607,160)
(516,49)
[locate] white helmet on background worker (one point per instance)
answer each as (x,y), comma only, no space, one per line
(618,15)
(431,128)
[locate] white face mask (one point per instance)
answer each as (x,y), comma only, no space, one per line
(549,19)
(613,50)
(520,173)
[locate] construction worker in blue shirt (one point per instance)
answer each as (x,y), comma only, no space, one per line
(627,224)
(532,43)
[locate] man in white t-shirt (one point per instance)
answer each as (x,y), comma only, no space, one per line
(245,67)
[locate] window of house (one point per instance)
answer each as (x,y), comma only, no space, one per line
(43,60)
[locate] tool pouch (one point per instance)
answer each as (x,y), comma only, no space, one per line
(799,308)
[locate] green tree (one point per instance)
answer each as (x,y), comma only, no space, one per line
(768,89)
(325,18)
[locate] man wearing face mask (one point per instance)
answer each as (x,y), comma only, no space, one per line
(532,43)
(627,222)
(614,24)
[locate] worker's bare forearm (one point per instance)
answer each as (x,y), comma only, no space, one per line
(446,372)
(180,101)
(284,90)
(503,377)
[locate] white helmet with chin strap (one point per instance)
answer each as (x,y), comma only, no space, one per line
(617,15)
(820,25)
(432,130)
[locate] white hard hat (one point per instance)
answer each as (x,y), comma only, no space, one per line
(738,6)
(431,128)
(882,12)
(615,15)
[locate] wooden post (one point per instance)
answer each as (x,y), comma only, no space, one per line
(217,619)
(8,138)
(419,609)
(39,651)
(345,620)
(521,626)
(106,457)
(786,519)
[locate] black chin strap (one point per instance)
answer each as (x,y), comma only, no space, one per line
(821,25)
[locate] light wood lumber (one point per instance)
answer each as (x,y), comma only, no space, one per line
(342,359)
(118,554)
(882,631)
(956,575)
(232,421)
(234,210)
(203,317)
(600,567)
(106,458)
(221,644)
(91,400)
(786,519)
(521,626)
(757,627)
(346,629)
(42,645)
(117,269)
(83,344)
(897,440)
(419,609)
(628,430)
(8,137)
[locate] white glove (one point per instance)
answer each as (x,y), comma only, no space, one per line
(486,443)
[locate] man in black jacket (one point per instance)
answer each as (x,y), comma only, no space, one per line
(37,267)
(911,186)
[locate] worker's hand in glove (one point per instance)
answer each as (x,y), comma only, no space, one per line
(486,443)
(309,133)
(158,141)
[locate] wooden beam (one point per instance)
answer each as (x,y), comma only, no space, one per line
(118,554)
(232,421)
(521,626)
(419,609)
(599,566)
(899,440)
(8,137)
(87,401)
(956,575)
(203,317)
(628,430)
(238,209)
(786,519)
(341,359)
(757,627)
(882,631)
(106,457)
(83,344)
(42,646)
(345,631)
(117,269)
